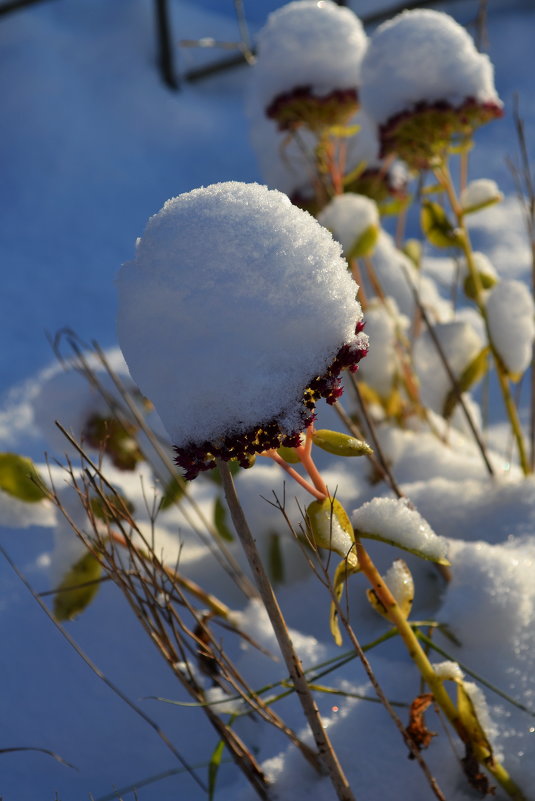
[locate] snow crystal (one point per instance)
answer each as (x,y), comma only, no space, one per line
(510,314)
(309,44)
(460,343)
(348,217)
(234,301)
(479,193)
(423,55)
(393,520)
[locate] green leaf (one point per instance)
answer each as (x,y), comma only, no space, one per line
(173,493)
(413,250)
(433,189)
(289,455)
(365,244)
(331,528)
(394,205)
(487,282)
(471,374)
(112,507)
(71,598)
(342,573)
(355,173)
(439,560)
(18,477)
(275,559)
(344,131)
(470,720)
(220,521)
(436,226)
(213,768)
(340,444)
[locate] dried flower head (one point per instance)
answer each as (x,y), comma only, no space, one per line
(426,85)
(308,66)
(236,315)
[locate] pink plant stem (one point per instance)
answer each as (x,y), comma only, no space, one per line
(308,463)
(319,495)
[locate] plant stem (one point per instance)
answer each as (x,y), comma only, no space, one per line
(444,177)
(328,761)
(435,684)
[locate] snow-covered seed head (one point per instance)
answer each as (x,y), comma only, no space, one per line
(236,315)
(308,66)
(426,85)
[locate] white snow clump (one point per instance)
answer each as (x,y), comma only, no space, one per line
(317,45)
(423,56)
(448,670)
(234,304)
(510,314)
(392,520)
(479,193)
(349,217)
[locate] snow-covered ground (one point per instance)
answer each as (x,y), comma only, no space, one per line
(92,145)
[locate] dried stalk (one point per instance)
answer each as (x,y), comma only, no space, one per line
(328,757)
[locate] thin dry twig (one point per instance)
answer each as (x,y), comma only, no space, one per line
(327,755)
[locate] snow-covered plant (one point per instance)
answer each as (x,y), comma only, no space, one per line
(258,337)
(297,81)
(425,84)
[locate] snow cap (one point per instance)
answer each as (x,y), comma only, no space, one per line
(236,314)
(308,49)
(422,61)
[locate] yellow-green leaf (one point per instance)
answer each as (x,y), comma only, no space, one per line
(340,444)
(436,226)
(344,131)
(470,720)
(365,244)
(78,588)
(220,521)
(331,528)
(289,455)
(413,250)
(173,492)
(471,374)
(394,205)
(18,477)
(275,559)
(342,573)
(487,282)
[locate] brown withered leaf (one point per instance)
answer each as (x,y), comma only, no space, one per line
(475,777)
(417,730)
